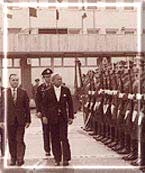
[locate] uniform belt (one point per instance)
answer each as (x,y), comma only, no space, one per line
(121,95)
(91,92)
(138,96)
(131,96)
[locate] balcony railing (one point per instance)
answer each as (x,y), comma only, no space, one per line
(71,43)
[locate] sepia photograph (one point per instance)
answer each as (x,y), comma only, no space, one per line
(72,80)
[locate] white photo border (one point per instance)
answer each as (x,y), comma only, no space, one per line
(5,5)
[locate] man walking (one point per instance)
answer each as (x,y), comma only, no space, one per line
(58,111)
(1,118)
(18,118)
(38,100)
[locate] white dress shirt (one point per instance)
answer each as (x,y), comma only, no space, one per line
(57,92)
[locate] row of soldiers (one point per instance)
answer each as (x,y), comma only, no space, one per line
(113,101)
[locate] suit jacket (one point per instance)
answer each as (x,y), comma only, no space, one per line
(1,104)
(19,110)
(52,108)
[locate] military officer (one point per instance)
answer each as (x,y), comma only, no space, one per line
(46,74)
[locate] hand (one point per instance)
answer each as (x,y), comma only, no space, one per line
(39,114)
(45,120)
(27,125)
(70,121)
(2,125)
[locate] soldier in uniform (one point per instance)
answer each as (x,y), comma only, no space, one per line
(39,97)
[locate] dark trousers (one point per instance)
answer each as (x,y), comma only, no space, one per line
(46,136)
(2,141)
(60,143)
(16,141)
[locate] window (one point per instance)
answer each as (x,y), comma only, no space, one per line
(111,31)
(45,61)
(83,61)
(34,61)
(74,31)
(17,62)
(33,0)
(92,31)
(51,1)
(14,30)
(69,62)
(53,31)
(128,8)
(92,61)
(57,61)
(111,7)
(8,62)
(129,31)
(92,1)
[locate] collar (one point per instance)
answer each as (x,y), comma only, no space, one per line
(57,88)
(12,89)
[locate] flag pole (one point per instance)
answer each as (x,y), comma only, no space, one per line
(82,18)
(29,24)
(57,18)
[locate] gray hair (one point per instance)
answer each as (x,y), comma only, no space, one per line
(54,76)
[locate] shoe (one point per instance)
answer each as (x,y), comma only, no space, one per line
(96,137)
(109,141)
(57,163)
(130,157)
(104,140)
(99,138)
(92,133)
(123,151)
(13,162)
(20,163)
(117,148)
(88,130)
(65,163)
(138,162)
(113,144)
(47,154)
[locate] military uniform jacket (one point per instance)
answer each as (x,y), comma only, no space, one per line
(40,95)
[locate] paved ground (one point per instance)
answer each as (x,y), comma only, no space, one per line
(87,154)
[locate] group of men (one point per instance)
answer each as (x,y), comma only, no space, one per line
(114,108)
(55,109)
(55,101)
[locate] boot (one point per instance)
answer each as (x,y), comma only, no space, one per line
(126,149)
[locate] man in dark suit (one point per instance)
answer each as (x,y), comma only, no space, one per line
(1,118)
(38,100)
(18,118)
(58,111)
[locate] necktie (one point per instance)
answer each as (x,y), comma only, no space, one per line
(14,95)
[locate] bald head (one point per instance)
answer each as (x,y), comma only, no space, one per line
(57,80)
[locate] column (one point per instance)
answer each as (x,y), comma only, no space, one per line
(25,64)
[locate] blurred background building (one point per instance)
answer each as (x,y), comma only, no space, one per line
(55,37)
